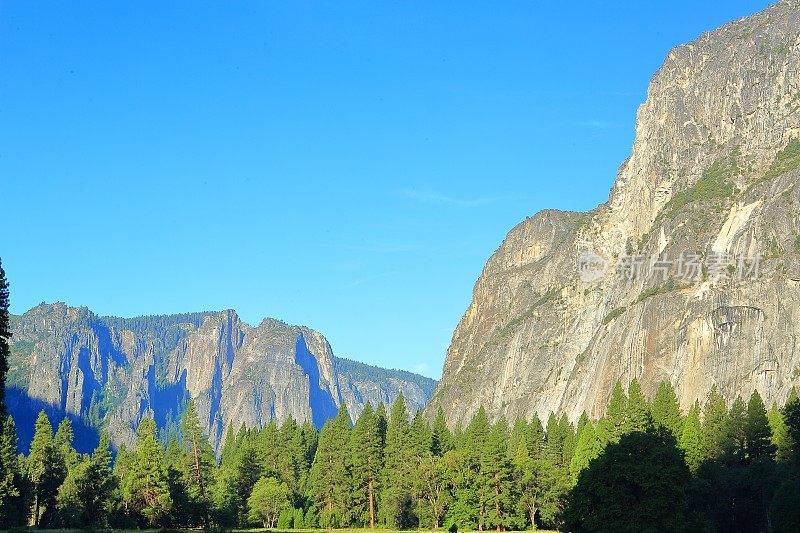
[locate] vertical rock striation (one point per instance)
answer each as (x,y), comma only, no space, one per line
(111,372)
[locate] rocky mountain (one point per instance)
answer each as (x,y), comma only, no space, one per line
(110,372)
(690,272)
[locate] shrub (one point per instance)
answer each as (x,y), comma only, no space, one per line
(614,313)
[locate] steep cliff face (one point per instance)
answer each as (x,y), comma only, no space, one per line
(113,371)
(689,273)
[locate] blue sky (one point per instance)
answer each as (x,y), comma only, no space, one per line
(349,166)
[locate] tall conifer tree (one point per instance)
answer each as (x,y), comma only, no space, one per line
(366,462)
(666,411)
(328,484)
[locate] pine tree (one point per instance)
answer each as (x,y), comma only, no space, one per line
(535,437)
(366,462)
(735,437)
(383,422)
(100,482)
(84,495)
(637,409)
(41,463)
(496,474)
(12,476)
(588,448)
(176,463)
(780,434)
(554,443)
(758,435)
(5,339)
(145,483)
(540,486)
(328,484)
(63,444)
(691,439)
(201,462)
(666,411)
(791,415)
(567,431)
(396,495)
(613,425)
(715,416)
(442,440)
(461,474)
(582,421)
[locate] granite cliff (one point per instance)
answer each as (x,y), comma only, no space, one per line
(690,272)
(109,372)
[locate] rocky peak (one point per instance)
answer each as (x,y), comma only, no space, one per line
(109,372)
(712,174)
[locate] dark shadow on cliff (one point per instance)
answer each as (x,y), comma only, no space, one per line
(167,400)
(322,405)
(25,409)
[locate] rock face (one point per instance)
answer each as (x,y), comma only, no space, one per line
(111,372)
(712,180)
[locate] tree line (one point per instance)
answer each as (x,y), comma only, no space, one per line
(645,465)
(714,468)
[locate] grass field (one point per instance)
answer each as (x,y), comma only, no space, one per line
(256,530)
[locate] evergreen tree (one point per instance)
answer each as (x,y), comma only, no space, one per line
(201,462)
(715,417)
(666,411)
(780,434)
(535,437)
(366,461)
(758,435)
(13,508)
(691,439)
(5,350)
(145,483)
(442,440)
(99,484)
(791,415)
(496,476)
(461,477)
(613,425)
(43,466)
(176,464)
(328,484)
(83,498)
(567,431)
(582,421)
(540,487)
(735,437)
(63,444)
(637,409)
(555,437)
(637,484)
(383,422)
(397,484)
(588,448)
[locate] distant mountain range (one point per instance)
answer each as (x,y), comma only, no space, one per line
(108,372)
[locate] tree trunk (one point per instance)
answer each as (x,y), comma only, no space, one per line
(36,509)
(497,506)
(371,506)
(198,472)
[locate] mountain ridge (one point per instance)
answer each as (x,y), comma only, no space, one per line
(112,371)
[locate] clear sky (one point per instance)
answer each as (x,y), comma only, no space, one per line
(348,166)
